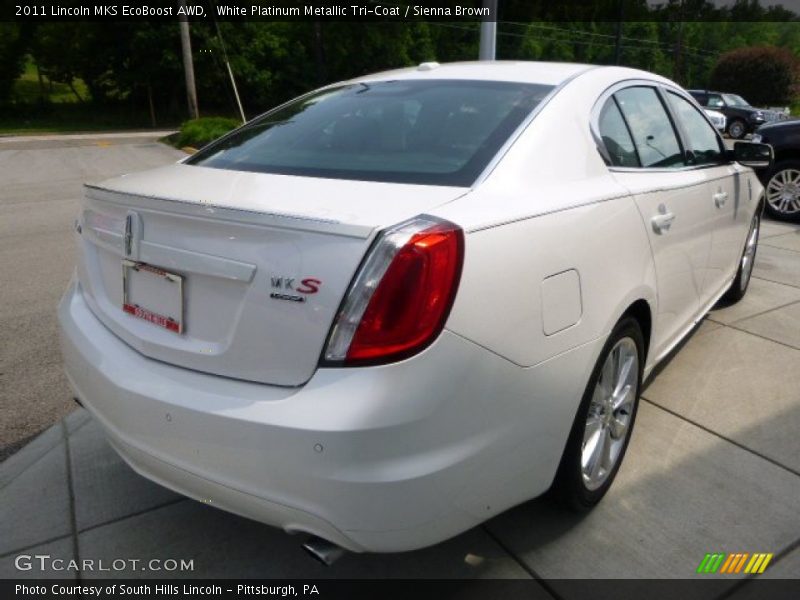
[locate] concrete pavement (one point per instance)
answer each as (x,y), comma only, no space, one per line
(714,463)
(42,182)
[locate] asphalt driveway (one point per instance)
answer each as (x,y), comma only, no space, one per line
(714,463)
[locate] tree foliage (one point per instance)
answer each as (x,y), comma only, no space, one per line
(12,53)
(138,63)
(762,74)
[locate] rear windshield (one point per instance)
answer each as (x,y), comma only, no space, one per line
(441,132)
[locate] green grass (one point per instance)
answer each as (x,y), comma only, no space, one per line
(28,90)
(54,108)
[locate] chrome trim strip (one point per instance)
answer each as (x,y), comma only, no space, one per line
(659,86)
(199,263)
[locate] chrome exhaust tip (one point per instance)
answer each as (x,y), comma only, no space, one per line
(323,551)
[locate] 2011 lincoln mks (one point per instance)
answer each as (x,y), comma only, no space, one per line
(396,306)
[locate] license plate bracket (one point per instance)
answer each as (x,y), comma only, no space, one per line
(153,294)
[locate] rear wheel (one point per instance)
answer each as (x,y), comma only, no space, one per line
(737,129)
(602,428)
(783,191)
(739,286)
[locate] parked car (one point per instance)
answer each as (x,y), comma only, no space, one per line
(782,180)
(394,307)
(742,118)
(719,120)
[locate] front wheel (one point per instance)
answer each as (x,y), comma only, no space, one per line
(602,428)
(737,129)
(743,274)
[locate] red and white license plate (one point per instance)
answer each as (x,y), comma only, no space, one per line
(153,294)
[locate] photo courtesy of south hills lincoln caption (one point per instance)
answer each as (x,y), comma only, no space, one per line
(167,589)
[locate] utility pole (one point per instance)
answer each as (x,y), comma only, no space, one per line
(677,68)
(618,40)
(188,63)
(488,47)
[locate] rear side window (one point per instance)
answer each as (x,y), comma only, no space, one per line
(703,144)
(652,131)
(440,132)
(616,137)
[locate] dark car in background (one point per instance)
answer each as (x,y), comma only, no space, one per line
(742,118)
(782,180)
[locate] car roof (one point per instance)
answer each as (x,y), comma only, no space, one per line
(705,92)
(547,73)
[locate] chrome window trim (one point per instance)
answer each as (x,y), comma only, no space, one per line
(660,88)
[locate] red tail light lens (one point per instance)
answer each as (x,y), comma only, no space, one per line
(402,296)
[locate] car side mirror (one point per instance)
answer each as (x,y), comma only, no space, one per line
(750,154)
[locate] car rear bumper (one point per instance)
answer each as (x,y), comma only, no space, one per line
(374,459)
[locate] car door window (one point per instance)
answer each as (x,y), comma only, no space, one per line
(715,101)
(616,137)
(702,143)
(652,131)
(702,99)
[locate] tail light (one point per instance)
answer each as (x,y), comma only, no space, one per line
(401,296)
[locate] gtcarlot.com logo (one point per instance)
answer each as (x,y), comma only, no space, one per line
(734,562)
(44,562)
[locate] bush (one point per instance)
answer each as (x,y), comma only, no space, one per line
(763,75)
(199,132)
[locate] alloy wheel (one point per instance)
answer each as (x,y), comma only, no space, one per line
(609,418)
(783,191)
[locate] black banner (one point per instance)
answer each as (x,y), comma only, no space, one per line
(388,11)
(332,589)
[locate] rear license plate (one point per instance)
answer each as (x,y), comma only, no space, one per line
(153,294)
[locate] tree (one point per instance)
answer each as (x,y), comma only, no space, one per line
(12,53)
(762,74)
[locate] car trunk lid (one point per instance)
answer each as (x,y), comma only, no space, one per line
(249,268)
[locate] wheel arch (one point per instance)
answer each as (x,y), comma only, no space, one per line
(785,154)
(640,311)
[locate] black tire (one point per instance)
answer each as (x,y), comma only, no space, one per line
(744,273)
(737,129)
(774,174)
(569,487)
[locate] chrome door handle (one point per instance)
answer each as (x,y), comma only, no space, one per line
(662,222)
(720,198)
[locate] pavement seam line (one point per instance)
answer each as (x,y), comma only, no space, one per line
(766,243)
(522,564)
(134,514)
(758,314)
(25,470)
(71,493)
(722,437)
(764,312)
(763,337)
(775,281)
(31,546)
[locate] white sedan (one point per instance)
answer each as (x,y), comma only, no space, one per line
(396,306)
